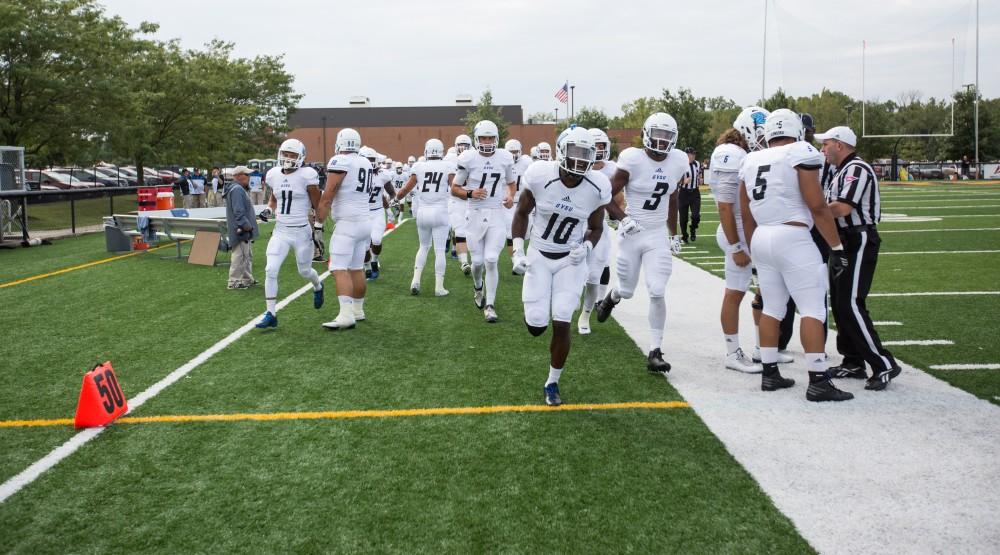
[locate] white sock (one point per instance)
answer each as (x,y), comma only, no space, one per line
(346,303)
(756,331)
(769,355)
(368,266)
(477,275)
(554,374)
(590,295)
(359,304)
(732,343)
(438,283)
(492,281)
(817,361)
(615,296)
(272,305)
(657,321)
(463,257)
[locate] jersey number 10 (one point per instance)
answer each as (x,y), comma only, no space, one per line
(564,230)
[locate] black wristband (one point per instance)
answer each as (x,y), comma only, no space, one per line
(468,194)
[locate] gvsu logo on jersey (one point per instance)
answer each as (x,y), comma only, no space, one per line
(565,205)
(659,175)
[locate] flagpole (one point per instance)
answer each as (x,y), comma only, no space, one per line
(571,91)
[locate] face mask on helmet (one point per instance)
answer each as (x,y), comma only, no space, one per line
(577,159)
(661,140)
(289,160)
(602,151)
(486,144)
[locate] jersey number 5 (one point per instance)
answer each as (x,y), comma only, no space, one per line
(660,190)
(760,184)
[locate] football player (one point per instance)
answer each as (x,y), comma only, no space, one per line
(347,193)
(649,176)
(484,178)
(746,134)
(534,153)
(566,201)
(544,152)
(458,206)
(599,273)
(399,178)
(521,163)
(781,199)
(433,177)
(294,191)
(381,181)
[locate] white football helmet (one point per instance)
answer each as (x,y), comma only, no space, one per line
(484,129)
(544,151)
(513,146)
(291,154)
(433,148)
(783,123)
(602,143)
(369,153)
(462,143)
(422,159)
(348,140)
(381,162)
(534,153)
(411,160)
(750,123)
(387,163)
(659,133)
(398,166)
(575,150)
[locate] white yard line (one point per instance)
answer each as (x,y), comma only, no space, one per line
(711,263)
(881,231)
(917,342)
(935,294)
(39,467)
(887,323)
(893,207)
(965,366)
(704,257)
(938,252)
(909,470)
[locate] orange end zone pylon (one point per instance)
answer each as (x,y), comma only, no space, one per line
(101,398)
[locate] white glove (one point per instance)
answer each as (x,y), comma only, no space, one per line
(580,252)
(675,245)
(629,226)
(394,203)
(520,260)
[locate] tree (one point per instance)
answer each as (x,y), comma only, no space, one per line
(588,118)
(485,110)
(693,122)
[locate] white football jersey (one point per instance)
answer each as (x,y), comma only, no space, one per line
(491,173)
(772,183)
(433,186)
(351,200)
(289,190)
(379,181)
(399,179)
(650,184)
(559,221)
(608,169)
(723,177)
(521,165)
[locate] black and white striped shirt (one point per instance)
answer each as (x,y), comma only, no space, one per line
(694,170)
(855,184)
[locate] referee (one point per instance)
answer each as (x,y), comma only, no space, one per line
(689,198)
(854,200)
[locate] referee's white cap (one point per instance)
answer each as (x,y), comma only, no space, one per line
(840,133)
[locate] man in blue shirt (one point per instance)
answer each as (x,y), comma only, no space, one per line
(197,184)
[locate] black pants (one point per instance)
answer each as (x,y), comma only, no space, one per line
(688,199)
(785,328)
(857,339)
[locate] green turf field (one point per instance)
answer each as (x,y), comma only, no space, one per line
(921,219)
(89,212)
(651,480)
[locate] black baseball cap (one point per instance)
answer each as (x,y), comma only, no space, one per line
(807,122)
(690,150)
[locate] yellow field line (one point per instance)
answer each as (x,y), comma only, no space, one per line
(348,414)
(81,266)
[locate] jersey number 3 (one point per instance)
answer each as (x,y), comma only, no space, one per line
(760,184)
(660,190)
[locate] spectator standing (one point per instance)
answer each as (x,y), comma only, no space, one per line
(216,188)
(185,186)
(197,185)
(241,222)
(965,166)
(256,187)
(855,203)
(689,198)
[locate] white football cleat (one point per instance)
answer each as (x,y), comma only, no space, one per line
(583,322)
(440,292)
(490,313)
(341,322)
(359,314)
(740,362)
(784,357)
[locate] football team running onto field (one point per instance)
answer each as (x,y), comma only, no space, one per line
(556,216)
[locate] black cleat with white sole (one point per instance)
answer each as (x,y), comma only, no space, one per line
(655,363)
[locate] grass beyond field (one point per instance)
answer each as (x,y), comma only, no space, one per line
(650,480)
(89,212)
(924,231)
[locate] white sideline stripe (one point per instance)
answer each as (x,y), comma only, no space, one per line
(936,230)
(920,342)
(884,323)
(934,294)
(938,474)
(892,207)
(703,257)
(30,474)
(966,367)
(939,252)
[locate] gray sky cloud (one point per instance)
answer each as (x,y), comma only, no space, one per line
(425,53)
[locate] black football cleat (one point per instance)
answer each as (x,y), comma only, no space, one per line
(655,363)
(825,391)
(552,397)
(772,380)
(604,307)
(848,370)
(881,380)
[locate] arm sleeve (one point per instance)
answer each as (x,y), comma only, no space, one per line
(726,186)
(462,169)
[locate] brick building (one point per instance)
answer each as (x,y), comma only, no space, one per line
(402,131)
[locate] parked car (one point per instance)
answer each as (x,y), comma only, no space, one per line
(167,176)
(89,175)
(149,177)
(56,179)
(113,173)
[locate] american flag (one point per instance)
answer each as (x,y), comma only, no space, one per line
(563,94)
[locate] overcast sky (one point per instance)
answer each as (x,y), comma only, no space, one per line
(415,53)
